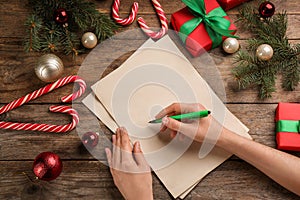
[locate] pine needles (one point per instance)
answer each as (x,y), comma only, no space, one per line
(45,35)
(249,70)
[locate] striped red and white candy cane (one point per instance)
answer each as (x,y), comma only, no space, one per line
(163,21)
(59,109)
(129,19)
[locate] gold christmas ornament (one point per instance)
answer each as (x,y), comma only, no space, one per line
(231,45)
(264,52)
(49,68)
(89,40)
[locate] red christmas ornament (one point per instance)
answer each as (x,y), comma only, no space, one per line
(266,9)
(90,139)
(61,16)
(47,166)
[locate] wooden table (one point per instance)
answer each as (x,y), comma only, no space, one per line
(84,177)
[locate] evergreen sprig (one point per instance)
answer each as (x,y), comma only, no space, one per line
(249,70)
(45,35)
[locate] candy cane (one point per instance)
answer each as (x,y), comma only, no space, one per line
(163,21)
(129,19)
(59,109)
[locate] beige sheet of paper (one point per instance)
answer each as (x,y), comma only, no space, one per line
(94,105)
(98,109)
(188,170)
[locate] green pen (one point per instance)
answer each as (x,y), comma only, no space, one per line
(192,115)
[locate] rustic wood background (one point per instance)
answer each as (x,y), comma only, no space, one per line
(84,177)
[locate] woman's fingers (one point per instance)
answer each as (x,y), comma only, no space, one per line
(140,158)
(126,149)
(178,108)
(162,128)
(173,134)
(116,153)
(109,159)
(125,141)
(172,109)
(175,125)
(118,137)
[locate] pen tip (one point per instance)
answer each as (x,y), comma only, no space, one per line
(150,122)
(208,112)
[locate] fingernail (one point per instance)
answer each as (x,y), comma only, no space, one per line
(165,120)
(138,145)
(161,127)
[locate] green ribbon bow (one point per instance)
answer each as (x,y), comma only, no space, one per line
(215,23)
(288,126)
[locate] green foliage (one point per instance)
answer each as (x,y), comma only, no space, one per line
(249,70)
(45,35)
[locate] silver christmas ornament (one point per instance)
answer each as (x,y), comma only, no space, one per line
(264,52)
(49,68)
(231,45)
(89,40)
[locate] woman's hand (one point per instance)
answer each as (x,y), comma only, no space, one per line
(130,170)
(196,129)
(280,166)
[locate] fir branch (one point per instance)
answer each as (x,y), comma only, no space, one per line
(33,24)
(69,42)
(291,74)
(82,13)
(249,70)
(102,27)
(51,39)
(47,36)
(266,87)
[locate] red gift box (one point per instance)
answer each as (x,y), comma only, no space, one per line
(199,40)
(288,126)
(228,4)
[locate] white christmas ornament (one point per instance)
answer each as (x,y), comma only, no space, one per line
(89,40)
(231,45)
(264,52)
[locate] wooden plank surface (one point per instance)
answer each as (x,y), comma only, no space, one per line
(92,180)
(84,177)
(259,118)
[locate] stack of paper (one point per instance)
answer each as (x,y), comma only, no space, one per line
(155,76)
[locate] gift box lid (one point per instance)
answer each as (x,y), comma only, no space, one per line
(228,4)
(287,111)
